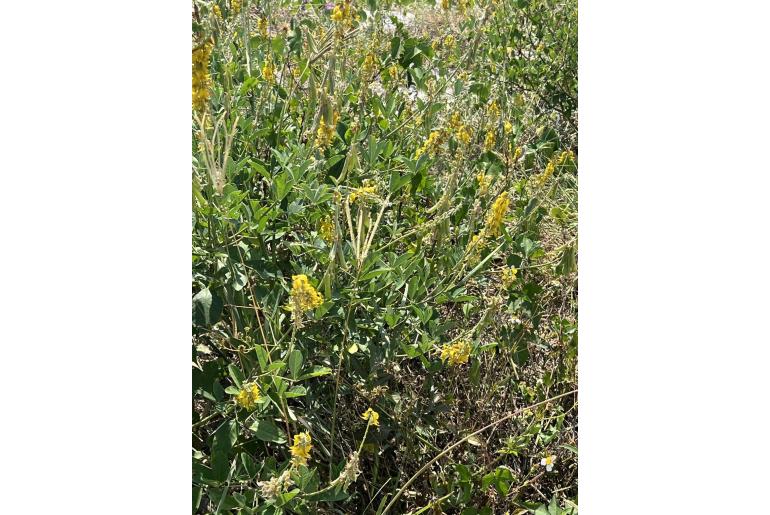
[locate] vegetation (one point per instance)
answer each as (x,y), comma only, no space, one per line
(384,257)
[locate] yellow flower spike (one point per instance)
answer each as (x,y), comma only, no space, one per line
(217,11)
(489,141)
(543,178)
(484,182)
(371,416)
(493,110)
(508,276)
(517,153)
(496,214)
(325,133)
(300,451)
(445,4)
(369,64)
(508,127)
(262,27)
(457,353)
(431,145)
(326,229)
(268,70)
(201,79)
(337,14)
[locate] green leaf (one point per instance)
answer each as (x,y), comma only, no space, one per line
(267,431)
(224,439)
(296,391)
(317,372)
(295,362)
(206,308)
(236,375)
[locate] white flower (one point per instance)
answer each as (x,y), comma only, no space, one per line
(377,89)
(548,462)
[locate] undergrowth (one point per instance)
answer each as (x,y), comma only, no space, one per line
(384,257)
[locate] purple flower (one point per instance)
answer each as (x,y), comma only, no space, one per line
(329,6)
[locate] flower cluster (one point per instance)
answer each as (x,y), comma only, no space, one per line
(496,214)
(350,472)
(235,5)
(367,191)
(543,177)
(489,141)
(326,229)
(217,11)
(565,157)
(457,353)
(201,79)
(484,182)
(262,26)
(248,396)
(324,134)
(493,110)
(508,276)
(268,70)
(369,64)
(507,127)
(431,145)
(275,486)
(300,451)
(475,245)
(342,15)
(371,416)
(303,295)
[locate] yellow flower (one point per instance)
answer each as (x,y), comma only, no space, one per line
(543,178)
(455,121)
(564,157)
(456,354)
(337,14)
(517,153)
(365,192)
(508,127)
(449,41)
(268,70)
(493,110)
(236,6)
(248,396)
(393,71)
(201,79)
(495,217)
(262,26)
(445,4)
(372,416)
(509,276)
(303,296)
(464,135)
(431,145)
(369,62)
(217,11)
(489,141)
(300,451)
(484,182)
(326,229)
(342,14)
(324,134)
